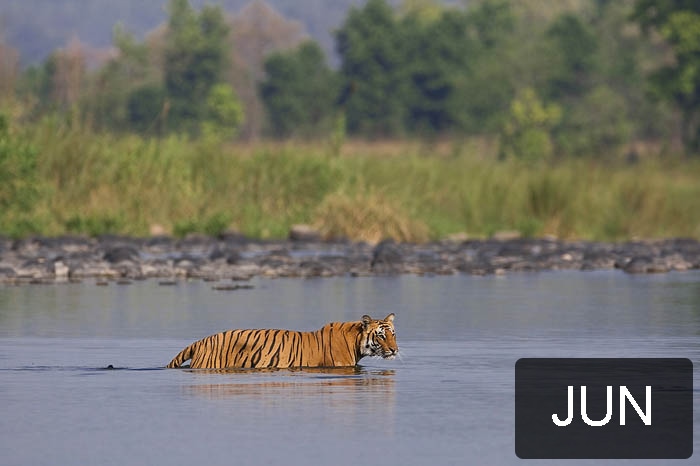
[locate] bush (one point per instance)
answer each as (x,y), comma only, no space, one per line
(526,133)
(370,218)
(18,182)
(597,125)
(145,106)
(224,112)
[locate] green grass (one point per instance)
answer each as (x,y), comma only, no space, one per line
(101,183)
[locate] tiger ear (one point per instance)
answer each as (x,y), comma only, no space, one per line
(389,318)
(366,320)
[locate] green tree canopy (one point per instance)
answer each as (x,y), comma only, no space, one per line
(373,56)
(678,21)
(299,92)
(195,58)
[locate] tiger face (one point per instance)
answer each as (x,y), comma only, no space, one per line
(379,337)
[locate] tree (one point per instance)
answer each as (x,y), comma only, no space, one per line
(123,90)
(145,106)
(69,74)
(224,112)
(195,58)
(485,86)
(258,30)
(678,22)
(9,70)
(574,44)
(526,133)
(459,79)
(300,92)
(373,65)
(596,125)
(438,58)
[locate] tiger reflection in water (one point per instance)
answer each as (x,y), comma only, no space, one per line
(318,395)
(338,344)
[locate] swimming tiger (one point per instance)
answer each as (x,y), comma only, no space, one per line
(338,344)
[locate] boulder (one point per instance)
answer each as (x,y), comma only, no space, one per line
(303,232)
(121,254)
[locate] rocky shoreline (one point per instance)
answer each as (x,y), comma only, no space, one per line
(233,257)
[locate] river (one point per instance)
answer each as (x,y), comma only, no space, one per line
(449,398)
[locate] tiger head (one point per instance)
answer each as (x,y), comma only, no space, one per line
(378,337)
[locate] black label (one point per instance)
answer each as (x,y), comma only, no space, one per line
(604,408)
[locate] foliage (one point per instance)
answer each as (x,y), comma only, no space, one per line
(257,31)
(299,92)
(370,44)
(424,69)
(597,125)
(18,181)
(195,56)
(575,47)
(224,112)
(436,59)
(145,107)
(526,133)
(679,24)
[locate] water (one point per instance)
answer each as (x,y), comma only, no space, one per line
(448,400)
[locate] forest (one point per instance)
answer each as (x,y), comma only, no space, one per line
(527,94)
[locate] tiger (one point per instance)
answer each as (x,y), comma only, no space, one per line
(337,344)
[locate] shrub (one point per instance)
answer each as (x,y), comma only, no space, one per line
(18,181)
(370,218)
(526,133)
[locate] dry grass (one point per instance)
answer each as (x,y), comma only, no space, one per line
(369,218)
(410,191)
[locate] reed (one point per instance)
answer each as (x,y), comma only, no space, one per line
(413,191)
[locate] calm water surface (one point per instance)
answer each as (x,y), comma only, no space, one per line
(448,400)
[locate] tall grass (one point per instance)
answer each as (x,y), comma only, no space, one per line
(99,183)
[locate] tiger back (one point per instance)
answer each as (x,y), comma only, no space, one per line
(338,344)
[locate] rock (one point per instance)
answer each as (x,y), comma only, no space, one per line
(117,257)
(386,255)
(312,268)
(230,256)
(233,237)
(275,259)
(60,270)
(303,232)
(187,261)
(159,242)
(195,240)
(157,268)
(678,263)
(645,265)
(121,254)
(232,287)
(86,271)
(5,243)
(7,273)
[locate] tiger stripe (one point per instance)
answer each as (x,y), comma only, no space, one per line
(338,344)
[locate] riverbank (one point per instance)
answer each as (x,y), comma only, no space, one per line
(108,259)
